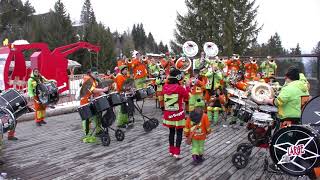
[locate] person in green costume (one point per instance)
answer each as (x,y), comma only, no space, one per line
(289,99)
(268,68)
(213,90)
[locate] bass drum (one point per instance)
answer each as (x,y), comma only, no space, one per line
(295,150)
(311,113)
(14,102)
(47,93)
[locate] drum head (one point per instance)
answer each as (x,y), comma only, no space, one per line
(267,108)
(311,113)
(236,100)
(295,150)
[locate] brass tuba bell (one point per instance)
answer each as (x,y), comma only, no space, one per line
(261,92)
(183,64)
(211,49)
(190,48)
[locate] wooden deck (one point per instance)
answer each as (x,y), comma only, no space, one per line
(54,151)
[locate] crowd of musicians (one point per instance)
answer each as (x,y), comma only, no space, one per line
(191,92)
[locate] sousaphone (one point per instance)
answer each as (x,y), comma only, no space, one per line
(261,92)
(211,49)
(190,49)
(183,64)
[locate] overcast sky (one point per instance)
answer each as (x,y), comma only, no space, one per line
(296,21)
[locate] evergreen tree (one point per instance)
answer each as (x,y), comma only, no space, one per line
(139,37)
(230,24)
(275,46)
(295,51)
(128,44)
(59,30)
(151,45)
(12,19)
(316,50)
(162,48)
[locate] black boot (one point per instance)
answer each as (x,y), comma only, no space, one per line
(38,124)
(201,158)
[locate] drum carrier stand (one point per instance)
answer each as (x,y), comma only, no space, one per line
(132,105)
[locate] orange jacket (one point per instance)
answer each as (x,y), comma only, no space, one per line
(86,98)
(139,69)
(199,131)
(199,87)
(233,65)
(251,70)
(121,62)
(119,80)
(241,85)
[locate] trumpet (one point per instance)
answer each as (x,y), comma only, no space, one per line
(144,58)
(128,61)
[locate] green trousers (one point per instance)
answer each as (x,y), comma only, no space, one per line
(197,147)
(90,133)
(122,118)
(213,114)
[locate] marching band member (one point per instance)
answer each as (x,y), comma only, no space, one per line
(139,69)
(122,118)
(173,115)
(289,99)
(108,75)
(196,130)
(186,75)
(269,68)
(197,85)
(87,92)
(35,79)
(213,91)
(251,69)
(160,81)
(233,64)
(241,82)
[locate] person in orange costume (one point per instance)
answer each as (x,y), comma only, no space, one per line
(233,64)
(35,79)
(139,70)
(88,90)
(251,69)
(121,78)
(196,130)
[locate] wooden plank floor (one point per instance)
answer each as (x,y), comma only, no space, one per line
(55,151)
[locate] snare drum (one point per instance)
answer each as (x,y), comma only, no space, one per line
(268,109)
(140,94)
(86,111)
(14,102)
(115,99)
(296,149)
(47,93)
(262,119)
(245,114)
(7,120)
(101,103)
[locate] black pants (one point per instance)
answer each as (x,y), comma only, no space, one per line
(179,136)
